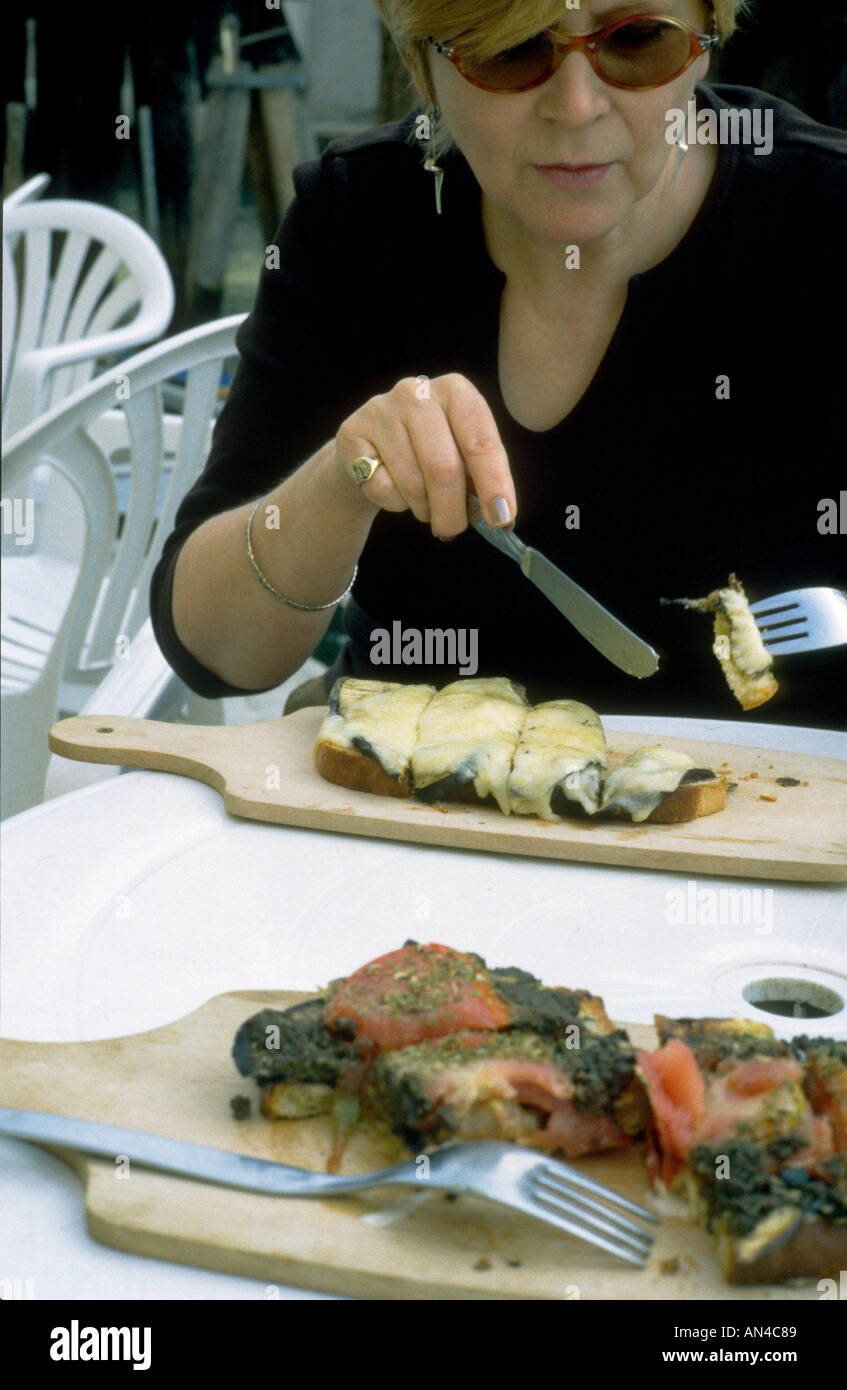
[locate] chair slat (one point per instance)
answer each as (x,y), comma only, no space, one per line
(56,326)
(35,278)
(143,415)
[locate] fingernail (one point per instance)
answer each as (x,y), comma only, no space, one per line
(498,510)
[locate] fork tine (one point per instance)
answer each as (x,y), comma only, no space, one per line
(791,599)
(618,1227)
(802,620)
(576,1200)
(561,1173)
(768,607)
(584,1232)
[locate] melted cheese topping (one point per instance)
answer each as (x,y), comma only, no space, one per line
(644,780)
(473,724)
(383,714)
(748,651)
(744,659)
(562,744)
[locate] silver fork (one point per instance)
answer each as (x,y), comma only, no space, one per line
(802,620)
(514,1177)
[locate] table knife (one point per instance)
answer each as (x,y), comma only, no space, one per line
(591,620)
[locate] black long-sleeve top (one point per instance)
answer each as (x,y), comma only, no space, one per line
(707,443)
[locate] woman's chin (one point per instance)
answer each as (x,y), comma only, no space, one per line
(576,216)
(577,227)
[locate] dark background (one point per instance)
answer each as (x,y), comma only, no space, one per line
(797,51)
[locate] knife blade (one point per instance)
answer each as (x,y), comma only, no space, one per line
(592,621)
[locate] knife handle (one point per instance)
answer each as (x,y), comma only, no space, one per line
(502,538)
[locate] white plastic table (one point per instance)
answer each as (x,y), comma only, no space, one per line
(129,903)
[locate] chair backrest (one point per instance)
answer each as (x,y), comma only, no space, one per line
(111,596)
(84,284)
(26,192)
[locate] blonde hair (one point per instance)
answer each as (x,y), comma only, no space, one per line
(495,25)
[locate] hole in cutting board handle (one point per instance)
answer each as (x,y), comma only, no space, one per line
(105,731)
(793,998)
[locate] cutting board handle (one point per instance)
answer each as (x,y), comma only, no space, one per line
(188,749)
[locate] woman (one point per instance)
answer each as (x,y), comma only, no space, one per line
(621,345)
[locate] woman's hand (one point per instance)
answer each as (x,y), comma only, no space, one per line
(437,441)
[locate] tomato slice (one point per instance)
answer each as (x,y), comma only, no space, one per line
(677,1092)
(416,993)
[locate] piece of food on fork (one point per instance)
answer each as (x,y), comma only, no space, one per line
(738,646)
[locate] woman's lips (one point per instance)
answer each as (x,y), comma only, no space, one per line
(573,175)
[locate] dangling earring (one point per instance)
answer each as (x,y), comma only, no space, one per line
(683,151)
(430,164)
(683,147)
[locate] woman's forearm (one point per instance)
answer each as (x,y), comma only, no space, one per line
(307,536)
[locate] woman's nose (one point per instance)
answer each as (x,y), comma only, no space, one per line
(574,92)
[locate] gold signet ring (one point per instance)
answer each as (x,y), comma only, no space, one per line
(363,468)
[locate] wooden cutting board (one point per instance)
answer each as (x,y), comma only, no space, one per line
(266,772)
(381,1244)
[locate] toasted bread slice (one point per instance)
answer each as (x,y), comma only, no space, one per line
(514,1085)
(367,738)
(700,796)
(662,784)
(466,741)
(558,762)
(295,1059)
(435,1044)
(478,742)
(748,1129)
(769,1226)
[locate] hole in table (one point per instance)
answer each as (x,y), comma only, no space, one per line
(793,998)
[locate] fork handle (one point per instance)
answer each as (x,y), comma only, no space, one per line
(186,1160)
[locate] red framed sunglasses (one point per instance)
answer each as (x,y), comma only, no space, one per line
(636,53)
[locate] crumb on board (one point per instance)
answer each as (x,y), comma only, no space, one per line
(763,797)
(240,1107)
(789,782)
(669,1265)
(482,1263)
(514,1264)
(730,786)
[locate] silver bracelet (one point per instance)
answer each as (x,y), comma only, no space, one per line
(292,603)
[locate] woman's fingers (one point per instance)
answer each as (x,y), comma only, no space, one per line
(397,485)
(434,446)
(442,469)
(475,430)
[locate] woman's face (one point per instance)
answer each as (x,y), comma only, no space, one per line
(512,140)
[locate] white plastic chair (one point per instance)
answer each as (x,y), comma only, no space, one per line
(62,623)
(82,283)
(26,192)
(145,687)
